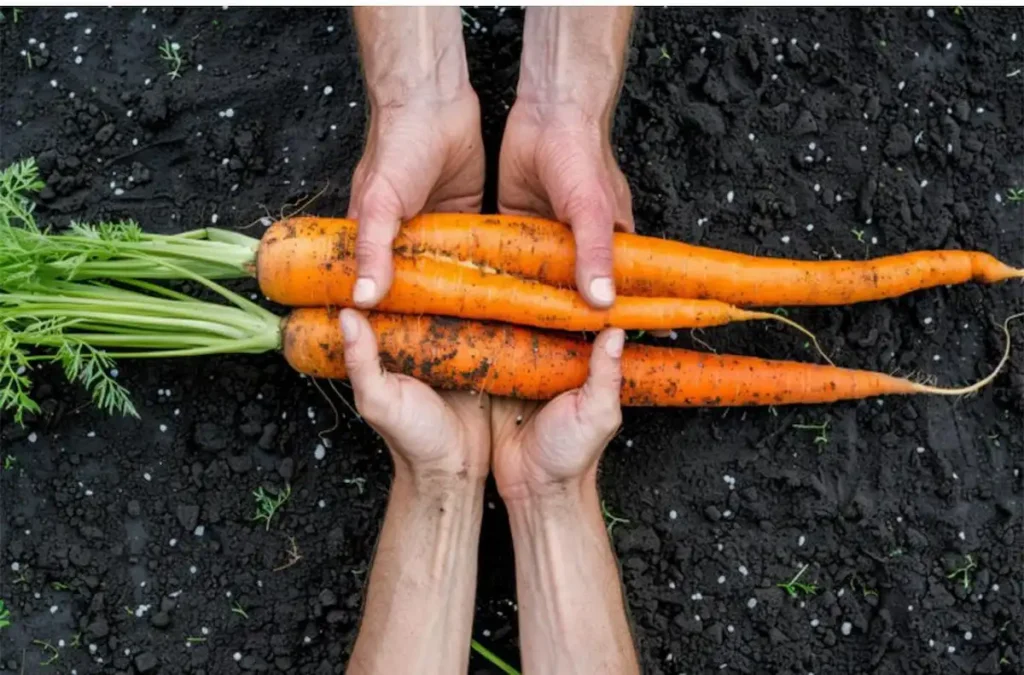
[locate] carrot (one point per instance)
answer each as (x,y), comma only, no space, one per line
(523,363)
(86,327)
(298,266)
(536,248)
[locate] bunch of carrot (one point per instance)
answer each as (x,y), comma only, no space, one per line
(514,273)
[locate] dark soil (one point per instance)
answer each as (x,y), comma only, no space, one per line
(813,133)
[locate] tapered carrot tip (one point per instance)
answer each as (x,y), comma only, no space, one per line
(990,270)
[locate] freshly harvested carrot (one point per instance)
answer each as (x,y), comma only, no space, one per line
(524,363)
(294,268)
(536,248)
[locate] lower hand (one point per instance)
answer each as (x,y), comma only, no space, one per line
(545,450)
(433,436)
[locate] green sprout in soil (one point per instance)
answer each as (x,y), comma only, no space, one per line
(611,519)
(236,608)
(794,586)
(47,649)
(9,462)
(964,571)
(664,55)
(5,616)
(170,53)
(1015,195)
(15,16)
(267,505)
(59,586)
(822,429)
(193,640)
(76,641)
(859,234)
(493,658)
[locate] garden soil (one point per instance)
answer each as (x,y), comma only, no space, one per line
(128,546)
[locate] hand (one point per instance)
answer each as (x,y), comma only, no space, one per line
(424,151)
(557,162)
(540,450)
(432,436)
(556,156)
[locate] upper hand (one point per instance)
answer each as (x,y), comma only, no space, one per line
(420,156)
(434,436)
(540,450)
(556,161)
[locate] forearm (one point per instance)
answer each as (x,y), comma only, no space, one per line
(419,605)
(572,614)
(411,53)
(575,56)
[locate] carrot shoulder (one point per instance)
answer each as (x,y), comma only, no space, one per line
(523,363)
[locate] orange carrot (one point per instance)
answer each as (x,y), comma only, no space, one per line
(535,248)
(524,363)
(307,263)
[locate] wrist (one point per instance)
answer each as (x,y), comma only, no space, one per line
(412,56)
(573,61)
(420,481)
(566,499)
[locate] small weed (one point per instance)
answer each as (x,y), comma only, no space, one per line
(293,555)
(822,429)
(193,640)
(1015,195)
(1004,661)
(964,571)
(896,553)
(663,54)
(236,608)
(15,16)
(794,586)
(859,234)
(5,616)
(9,462)
(267,505)
(958,11)
(170,53)
(59,586)
(22,578)
(47,649)
(128,610)
(493,658)
(28,60)
(76,641)
(610,519)
(773,410)
(358,482)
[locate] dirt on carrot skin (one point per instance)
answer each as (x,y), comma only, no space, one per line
(93,503)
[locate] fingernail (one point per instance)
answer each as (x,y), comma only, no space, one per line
(602,290)
(365,291)
(349,327)
(613,347)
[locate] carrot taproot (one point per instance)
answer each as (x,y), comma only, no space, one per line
(536,248)
(299,266)
(525,363)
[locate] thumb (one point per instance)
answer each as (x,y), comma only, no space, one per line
(598,403)
(373,387)
(593,222)
(380,215)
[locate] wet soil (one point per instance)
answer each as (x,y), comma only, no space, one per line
(129,546)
